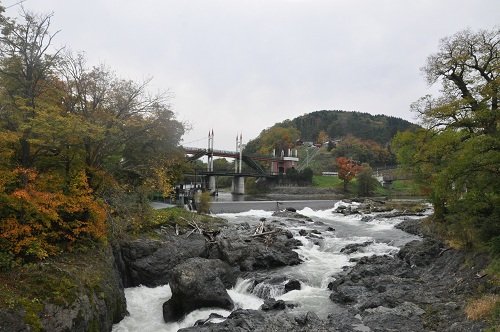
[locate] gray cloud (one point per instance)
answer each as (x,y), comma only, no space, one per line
(241,66)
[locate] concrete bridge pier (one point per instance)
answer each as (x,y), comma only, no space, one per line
(211,184)
(238,186)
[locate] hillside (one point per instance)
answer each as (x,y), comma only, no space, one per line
(364,137)
(337,124)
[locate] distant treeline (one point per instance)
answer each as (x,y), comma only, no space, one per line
(338,124)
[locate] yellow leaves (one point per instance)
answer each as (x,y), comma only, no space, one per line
(165,175)
(36,222)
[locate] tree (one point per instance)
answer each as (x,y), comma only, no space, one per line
(322,137)
(26,71)
(275,138)
(467,65)
(347,169)
(366,183)
(364,151)
(130,132)
(78,146)
(457,155)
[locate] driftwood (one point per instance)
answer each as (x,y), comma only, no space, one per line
(266,233)
(210,236)
(190,232)
(443,251)
(260,228)
(193,224)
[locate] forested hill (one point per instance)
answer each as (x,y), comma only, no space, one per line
(337,124)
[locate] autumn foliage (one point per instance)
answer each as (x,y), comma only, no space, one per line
(80,148)
(347,169)
(38,221)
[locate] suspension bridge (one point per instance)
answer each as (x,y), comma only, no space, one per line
(279,162)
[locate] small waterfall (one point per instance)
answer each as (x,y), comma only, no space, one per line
(265,290)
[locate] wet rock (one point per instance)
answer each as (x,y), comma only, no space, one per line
(292,285)
(330,229)
(293,215)
(291,209)
(354,247)
(340,297)
(420,253)
(198,283)
(391,293)
(367,218)
(272,304)
(213,316)
(149,262)
(266,321)
(404,317)
(411,226)
(250,253)
(302,232)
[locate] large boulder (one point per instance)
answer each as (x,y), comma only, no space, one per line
(238,247)
(149,262)
(198,283)
(354,247)
(420,253)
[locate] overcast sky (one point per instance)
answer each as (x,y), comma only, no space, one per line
(241,66)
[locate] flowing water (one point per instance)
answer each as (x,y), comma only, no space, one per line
(321,256)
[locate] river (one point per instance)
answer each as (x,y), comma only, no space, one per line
(322,260)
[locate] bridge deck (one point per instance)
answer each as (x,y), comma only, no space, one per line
(229,173)
(228,154)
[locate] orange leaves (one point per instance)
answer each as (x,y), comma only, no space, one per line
(36,221)
(347,169)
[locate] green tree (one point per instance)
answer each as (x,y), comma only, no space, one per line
(458,153)
(366,183)
(364,151)
(275,138)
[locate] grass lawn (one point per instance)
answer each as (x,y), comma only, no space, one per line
(321,181)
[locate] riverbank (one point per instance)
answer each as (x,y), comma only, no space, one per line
(426,286)
(335,268)
(368,285)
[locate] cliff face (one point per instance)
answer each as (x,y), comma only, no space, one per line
(77,292)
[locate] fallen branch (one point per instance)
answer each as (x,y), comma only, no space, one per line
(193,224)
(443,251)
(266,233)
(191,232)
(260,228)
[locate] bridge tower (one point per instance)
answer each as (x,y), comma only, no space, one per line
(238,185)
(210,162)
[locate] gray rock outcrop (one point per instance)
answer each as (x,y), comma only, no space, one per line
(198,283)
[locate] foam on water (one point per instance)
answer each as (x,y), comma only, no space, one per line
(144,305)
(245,215)
(320,254)
(314,299)
(242,298)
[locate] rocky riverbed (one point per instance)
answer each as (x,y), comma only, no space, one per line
(422,287)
